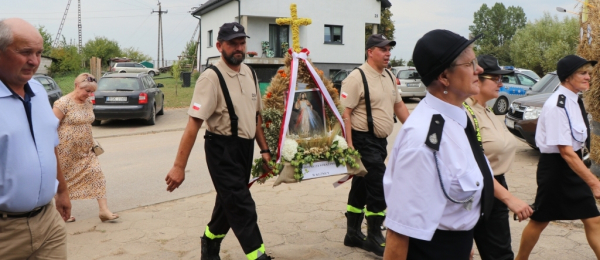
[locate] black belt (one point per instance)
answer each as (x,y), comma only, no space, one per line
(29,214)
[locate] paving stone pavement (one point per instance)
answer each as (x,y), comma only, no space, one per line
(297,221)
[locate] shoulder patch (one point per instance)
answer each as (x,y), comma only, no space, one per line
(561,101)
(434,135)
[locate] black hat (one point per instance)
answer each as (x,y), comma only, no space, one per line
(490,65)
(230,31)
(569,64)
(378,40)
(436,50)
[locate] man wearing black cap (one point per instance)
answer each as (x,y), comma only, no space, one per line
(371,98)
(438,182)
(228,99)
(567,189)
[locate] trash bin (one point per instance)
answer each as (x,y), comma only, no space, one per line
(187,78)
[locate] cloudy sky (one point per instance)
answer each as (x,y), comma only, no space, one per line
(131,23)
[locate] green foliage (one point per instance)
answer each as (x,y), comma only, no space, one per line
(134,54)
(498,26)
(176,70)
(102,48)
(385,27)
(542,43)
(395,63)
(68,60)
(189,54)
(410,63)
(47,40)
(271,126)
(195,76)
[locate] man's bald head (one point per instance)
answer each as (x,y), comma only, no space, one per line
(15,26)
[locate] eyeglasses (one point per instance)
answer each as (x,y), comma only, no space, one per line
(497,79)
(89,79)
(472,63)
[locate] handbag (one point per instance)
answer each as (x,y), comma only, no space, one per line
(97,148)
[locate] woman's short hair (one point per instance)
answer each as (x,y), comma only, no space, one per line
(587,67)
(82,81)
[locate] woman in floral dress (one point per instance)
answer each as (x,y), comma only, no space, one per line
(78,162)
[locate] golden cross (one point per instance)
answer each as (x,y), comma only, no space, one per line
(295,23)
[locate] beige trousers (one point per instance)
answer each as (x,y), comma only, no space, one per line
(42,237)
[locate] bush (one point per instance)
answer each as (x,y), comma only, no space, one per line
(195,75)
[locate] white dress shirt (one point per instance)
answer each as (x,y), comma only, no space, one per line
(553,125)
(416,203)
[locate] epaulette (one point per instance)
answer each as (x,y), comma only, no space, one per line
(561,101)
(434,135)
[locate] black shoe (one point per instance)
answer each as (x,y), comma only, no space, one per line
(210,248)
(375,241)
(265,257)
(354,236)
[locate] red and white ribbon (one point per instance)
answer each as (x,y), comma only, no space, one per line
(292,90)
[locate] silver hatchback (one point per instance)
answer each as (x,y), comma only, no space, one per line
(410,84)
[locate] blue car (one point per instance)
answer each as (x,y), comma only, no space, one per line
(514,86)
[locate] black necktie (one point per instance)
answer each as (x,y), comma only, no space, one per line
(585,119)
(487,194)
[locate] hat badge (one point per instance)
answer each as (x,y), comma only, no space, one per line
(235,29)
(433,138)
(383,36)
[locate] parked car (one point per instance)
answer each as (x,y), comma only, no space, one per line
(527,72)
(132,67)
(53,90)
(514,86)
(128,96)
(409,83)
(339,77)
(522,118)
(548,84)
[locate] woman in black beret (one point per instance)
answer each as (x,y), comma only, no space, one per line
(566,187)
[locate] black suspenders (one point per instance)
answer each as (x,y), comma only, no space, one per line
(232,116)
(368,99)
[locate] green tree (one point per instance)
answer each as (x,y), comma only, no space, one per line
(188,55)
(394,62)
(102,48)
(68,59)
(47,40)
(135,55)
(385,27)
(542,43)
(410,63)
(498,26)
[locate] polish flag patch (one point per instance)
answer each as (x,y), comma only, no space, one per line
(196,106)
(344,95)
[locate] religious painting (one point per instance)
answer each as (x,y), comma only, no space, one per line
(308,113)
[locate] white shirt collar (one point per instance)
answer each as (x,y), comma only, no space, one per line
(568,93)
(457,114)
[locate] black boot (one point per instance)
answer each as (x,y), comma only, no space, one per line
(210,248)
(354,236)
(264,257)
(375,241)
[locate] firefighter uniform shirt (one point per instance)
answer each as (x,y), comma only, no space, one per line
(417,206)
(208,102)
(383,93)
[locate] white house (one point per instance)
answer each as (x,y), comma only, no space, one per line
(336,37)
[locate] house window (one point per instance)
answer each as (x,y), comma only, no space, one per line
(333,34)
(210,39)
(279,35)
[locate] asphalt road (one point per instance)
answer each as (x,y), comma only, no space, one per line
(137,158)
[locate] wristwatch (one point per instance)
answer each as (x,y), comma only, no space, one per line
(265,151)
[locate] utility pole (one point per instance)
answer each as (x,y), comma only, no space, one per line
(161,49)
(79,24)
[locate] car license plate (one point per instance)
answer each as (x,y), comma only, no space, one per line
(510,123)
(116,99)
(412,85)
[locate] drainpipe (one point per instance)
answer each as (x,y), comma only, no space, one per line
(198,49)
(239,12)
